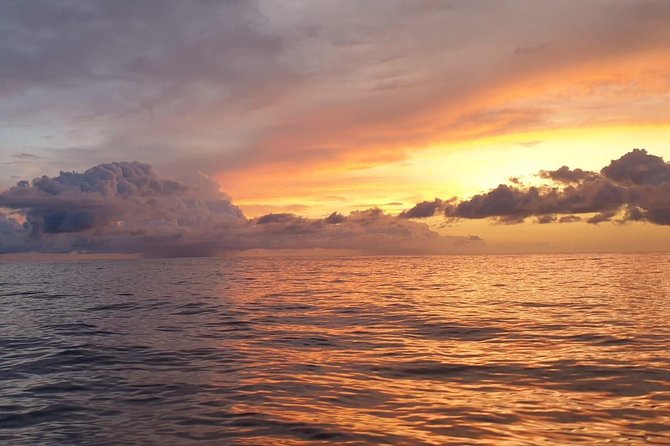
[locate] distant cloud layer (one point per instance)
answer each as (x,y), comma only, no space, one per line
(125,207)
(635,187)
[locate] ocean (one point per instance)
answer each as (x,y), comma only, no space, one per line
(463,350)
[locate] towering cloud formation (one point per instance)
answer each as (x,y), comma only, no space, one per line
(633,187)
(114,193)
(126,207)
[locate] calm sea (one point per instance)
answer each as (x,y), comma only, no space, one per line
(463,350)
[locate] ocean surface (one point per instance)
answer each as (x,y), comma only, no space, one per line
(463,350)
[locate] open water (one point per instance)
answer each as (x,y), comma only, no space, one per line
(463,350)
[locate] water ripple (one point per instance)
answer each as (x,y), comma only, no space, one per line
(481,350)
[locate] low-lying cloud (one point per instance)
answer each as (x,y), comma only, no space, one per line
(424,209)
(635,187)
(126,207)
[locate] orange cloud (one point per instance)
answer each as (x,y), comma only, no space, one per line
(536,105)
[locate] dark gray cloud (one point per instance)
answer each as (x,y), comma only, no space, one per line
(424,209)
(125,207)
(514,204)
(335,218)
(111,194)
(12,235)
(601,217)
(635,187)
(277,218)
(637,168)
(567,175)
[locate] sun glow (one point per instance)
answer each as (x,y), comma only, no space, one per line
(443,170)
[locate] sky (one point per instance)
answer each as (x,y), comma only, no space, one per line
(203,127)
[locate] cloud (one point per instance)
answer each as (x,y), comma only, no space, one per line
(601,217)
(12,235)
(546,219)
(567,175)
(230,86)
(569,219)
(81,210)
(638,168)
(125,207)
(635,187)
(335,218)
(25,156)
(112,193)
(370,231)
(264,93)
(424,209)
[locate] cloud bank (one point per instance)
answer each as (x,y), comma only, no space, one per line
(125,207)
(635,187)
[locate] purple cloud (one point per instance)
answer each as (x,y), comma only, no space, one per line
(634,187)
(126,207)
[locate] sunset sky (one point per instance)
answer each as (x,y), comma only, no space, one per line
(313,107)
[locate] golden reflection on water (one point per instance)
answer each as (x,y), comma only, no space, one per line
(480,350)
(471,350)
